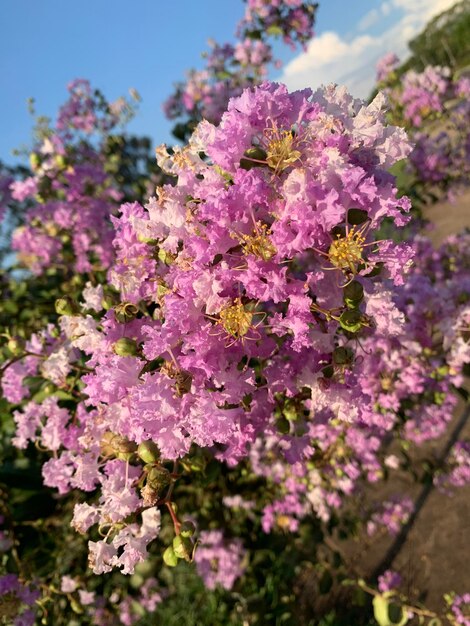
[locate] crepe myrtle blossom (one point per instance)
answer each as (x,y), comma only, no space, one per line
(392,515)
(258,319)
(434,106)
(402,384)
(17,601)
(229,69)
(457,468)
(459,605)
(246,289)
(219,561)
(71,194)
(389,581)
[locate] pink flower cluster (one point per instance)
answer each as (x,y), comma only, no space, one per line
(71,194)
(392,515)
(256,316)
(244,291)
(231,69)
(219,561)
(16,601)
(460,610)
(401,384)
(435,107)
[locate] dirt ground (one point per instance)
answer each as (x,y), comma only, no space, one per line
(448,218)
(432,554)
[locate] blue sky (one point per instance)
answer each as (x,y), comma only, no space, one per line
(149,44)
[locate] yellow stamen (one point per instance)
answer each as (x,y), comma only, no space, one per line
(280,151)
(346,252)
(259,244)
(236,319)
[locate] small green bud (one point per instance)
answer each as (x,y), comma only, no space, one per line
(66,306)
(16,345)
(187,529)
(114,445)
(110,299)
(166,257)
(253,153)
(170,558)
(197,464)
(148,451)
(60,161)
(353,294)
(343,356)
(76,606)
(158,478)
(34,161)
(283,426)
(126,347)
(351,320)
(125,312)
(183,548)
(136,581)
(290,412)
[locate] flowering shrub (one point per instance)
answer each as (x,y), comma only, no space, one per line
(254,319)
(233,363)
(69,222)
(253,298)
(434,106)
(232,68)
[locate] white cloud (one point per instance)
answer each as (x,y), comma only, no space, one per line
(331,59)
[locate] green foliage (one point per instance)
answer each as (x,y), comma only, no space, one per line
(444,41)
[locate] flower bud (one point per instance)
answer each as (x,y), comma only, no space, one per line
(291,411)
(351,320)
(114,445)
(253,153)
(126,347)
(60,161)
(110,299)
(343,356)
(158,478)
(170,558)
(34,161)
(16,345)
(282,425)
(187,529)
(125,312)
(166,257)
(148,451)
(66,306)
(353,294)
(183,382)
(183,548)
